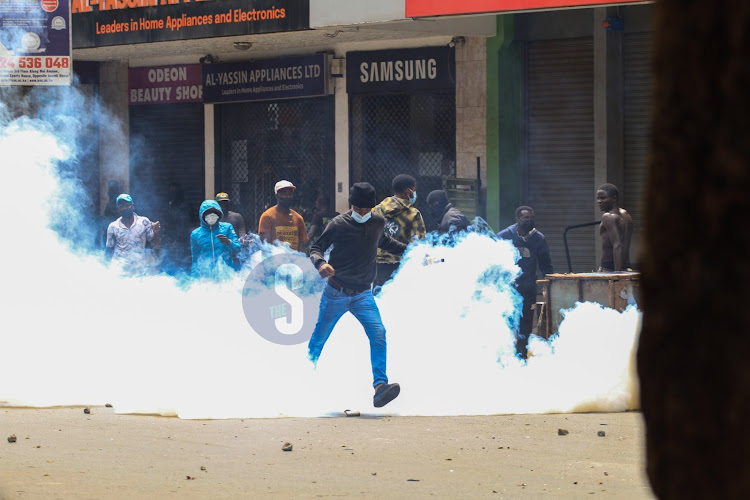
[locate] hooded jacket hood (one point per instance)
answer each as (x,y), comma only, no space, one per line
(206,205)
(452,219)
(210,257)
(436,203)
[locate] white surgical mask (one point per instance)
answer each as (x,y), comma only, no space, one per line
(211,219)
(413,198)
(361,218)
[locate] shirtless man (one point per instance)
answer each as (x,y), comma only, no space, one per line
(615,230)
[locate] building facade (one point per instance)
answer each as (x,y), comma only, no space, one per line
(502,107)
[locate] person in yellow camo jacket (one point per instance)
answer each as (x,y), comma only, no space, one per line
(403,222)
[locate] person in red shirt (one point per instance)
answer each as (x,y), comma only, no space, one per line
(281,223)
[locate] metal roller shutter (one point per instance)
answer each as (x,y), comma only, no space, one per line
(166,145)
(636,119)
(560,146)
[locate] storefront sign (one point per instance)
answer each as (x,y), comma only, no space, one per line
(424,8)
(101,23)
(35,42)
(304,76)
(165,84)
(401,70)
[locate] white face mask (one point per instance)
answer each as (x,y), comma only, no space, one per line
(211,219)
(361,218)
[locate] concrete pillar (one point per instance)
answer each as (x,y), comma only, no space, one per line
(608,104)
(342,140)
(210,150)
(114,133)
(471,108)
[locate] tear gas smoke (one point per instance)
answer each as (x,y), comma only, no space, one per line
(74,333)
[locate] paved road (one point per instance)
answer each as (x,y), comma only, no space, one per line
(65,453)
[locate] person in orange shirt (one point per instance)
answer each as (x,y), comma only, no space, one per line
(281,223)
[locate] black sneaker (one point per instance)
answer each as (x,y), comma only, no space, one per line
(385,394)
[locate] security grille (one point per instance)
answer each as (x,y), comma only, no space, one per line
(265,142)
(411,134)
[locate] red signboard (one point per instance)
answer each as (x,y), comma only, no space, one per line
(165,84)
(426,8)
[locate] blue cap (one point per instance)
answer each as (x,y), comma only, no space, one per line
(124,197)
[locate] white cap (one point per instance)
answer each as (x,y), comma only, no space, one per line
(282,185)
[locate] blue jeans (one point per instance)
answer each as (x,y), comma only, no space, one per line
(333,305)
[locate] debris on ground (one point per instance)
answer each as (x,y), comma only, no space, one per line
(87,411)
(12,438)
(286,447)
(108,405)
(413,480)
(351,413)
(189,478)
(203,467)
(562,432)
(601,434)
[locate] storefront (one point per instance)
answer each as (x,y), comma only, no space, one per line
(567,110)
(402,117)
(585,113)
(166,136)
(274,120)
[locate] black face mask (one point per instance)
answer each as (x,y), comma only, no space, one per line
(436,211)
(527,225)
(285,202)
(126,214)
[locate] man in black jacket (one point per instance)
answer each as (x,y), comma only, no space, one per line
(449,218)
(356,237)
(533,251)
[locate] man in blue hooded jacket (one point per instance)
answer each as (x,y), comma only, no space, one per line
(214,244)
